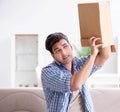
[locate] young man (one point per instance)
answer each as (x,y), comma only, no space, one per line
(64,79)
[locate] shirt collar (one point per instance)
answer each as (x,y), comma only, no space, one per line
(57,62)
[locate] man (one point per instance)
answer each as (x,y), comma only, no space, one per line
(64,79)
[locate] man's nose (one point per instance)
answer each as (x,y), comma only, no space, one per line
(63,52)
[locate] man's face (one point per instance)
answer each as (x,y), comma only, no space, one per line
(62,52)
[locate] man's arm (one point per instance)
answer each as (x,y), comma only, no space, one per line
(98,57)
(103,55)
(78,79)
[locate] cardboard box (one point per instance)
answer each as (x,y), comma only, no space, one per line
(95,20)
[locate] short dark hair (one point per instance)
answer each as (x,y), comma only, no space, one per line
(53,38)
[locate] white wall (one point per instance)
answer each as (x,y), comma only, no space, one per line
(40,17)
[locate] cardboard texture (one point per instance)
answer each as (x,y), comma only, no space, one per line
(95,20)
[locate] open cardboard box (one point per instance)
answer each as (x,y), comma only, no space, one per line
(95,20)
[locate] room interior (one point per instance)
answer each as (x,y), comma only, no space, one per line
(24,25)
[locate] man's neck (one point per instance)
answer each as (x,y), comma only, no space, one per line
(69,66)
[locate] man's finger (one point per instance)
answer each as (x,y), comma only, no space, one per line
(99,45)
(94,41)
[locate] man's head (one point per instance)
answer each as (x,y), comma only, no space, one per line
(60,48)
(53,38)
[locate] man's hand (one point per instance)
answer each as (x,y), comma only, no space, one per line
(101,53)
(95,47)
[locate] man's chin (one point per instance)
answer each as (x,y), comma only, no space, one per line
(67,62)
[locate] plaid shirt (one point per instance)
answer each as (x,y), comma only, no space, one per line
(56,85)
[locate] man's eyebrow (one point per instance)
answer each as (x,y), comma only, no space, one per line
(56,49)
(64,44)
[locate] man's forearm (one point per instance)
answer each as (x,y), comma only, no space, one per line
(81,76)
(105,52)
(103,55)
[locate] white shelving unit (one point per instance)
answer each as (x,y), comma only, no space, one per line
(26,59)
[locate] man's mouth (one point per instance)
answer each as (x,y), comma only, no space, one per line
(65,57)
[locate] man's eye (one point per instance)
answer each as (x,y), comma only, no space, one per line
(57,51)
(65,46)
